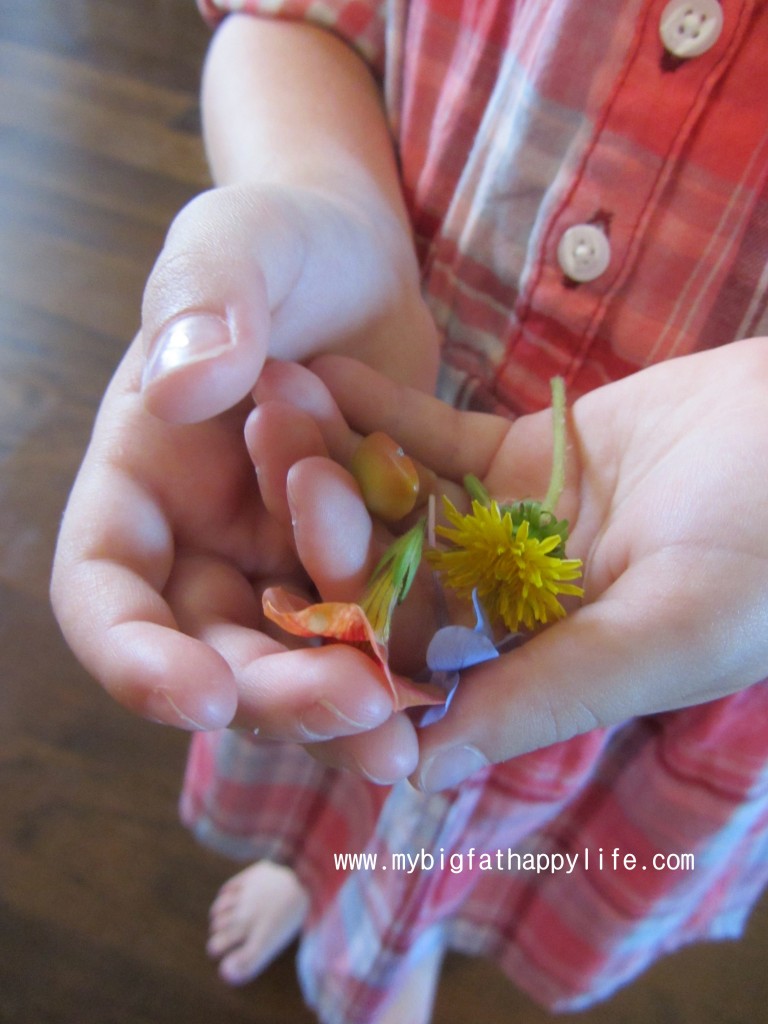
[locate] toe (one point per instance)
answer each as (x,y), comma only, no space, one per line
(223,937)
(229,894)
(243,964)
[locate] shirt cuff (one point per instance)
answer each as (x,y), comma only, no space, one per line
(361,23)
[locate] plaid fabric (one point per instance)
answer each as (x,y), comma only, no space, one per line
(514,122)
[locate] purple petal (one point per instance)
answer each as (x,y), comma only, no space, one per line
(454,648)
(449,681)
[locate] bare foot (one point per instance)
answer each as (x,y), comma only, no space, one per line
(254,917)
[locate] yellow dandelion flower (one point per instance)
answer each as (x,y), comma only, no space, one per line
(516,575)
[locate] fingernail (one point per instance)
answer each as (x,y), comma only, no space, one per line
(447,768)
(293,504)
(160,707)
(189,339)
(360,769)
(323,720)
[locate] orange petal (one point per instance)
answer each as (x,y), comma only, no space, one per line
(339,620)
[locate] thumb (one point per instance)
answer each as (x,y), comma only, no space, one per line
(639,649)
(545,692)
(229,259)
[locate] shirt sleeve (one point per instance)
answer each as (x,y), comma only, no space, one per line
(361,23)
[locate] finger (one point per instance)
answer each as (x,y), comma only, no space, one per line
(332,529)
(302,695)
(537,697)
(277,436)
(450,442)
(314,694)
(340,547)
(514,459)
(639,649)
(108,572)
(384,755)
(295,385)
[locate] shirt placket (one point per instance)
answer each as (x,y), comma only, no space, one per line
(597,222)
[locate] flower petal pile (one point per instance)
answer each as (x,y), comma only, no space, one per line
(509,558)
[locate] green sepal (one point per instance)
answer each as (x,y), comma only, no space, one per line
(542,522)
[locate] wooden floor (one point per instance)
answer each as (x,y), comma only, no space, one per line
(103,896)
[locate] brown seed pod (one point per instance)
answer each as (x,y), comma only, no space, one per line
(387,477)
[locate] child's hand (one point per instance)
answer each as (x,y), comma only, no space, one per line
(667,497)
(166,514)
(162,507)
(163,548)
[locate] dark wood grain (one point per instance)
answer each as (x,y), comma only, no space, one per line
(103,896)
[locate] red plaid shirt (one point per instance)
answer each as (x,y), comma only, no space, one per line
(585,201)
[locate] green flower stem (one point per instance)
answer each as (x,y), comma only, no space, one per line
(476,490)
(557,478)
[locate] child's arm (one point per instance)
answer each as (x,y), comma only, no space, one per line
(305,246)
(667,497)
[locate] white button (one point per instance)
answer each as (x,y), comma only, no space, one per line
(584,252)
(690,27)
